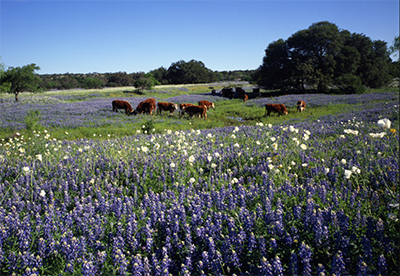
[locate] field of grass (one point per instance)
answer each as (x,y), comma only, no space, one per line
(87,191)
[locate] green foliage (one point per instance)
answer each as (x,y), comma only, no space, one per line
(91,83)
(20,79)
(146,82)
(148,127)
(324,56)
(189,72)
(32,120)
(395,48)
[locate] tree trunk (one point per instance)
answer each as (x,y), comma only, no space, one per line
(16,96)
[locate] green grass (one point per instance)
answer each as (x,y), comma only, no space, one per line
(226,113)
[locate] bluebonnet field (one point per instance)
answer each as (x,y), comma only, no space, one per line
(303,198)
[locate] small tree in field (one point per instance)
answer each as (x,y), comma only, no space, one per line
(146,82)
(21,79)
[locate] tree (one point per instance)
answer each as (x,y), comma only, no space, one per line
(395,48)
(146,82)
(182,72)
(324,56)
(160,75)
(120,79)
(275,71)
(91,83)
(22,79)
(5,86)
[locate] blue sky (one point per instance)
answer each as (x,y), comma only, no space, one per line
(139,36)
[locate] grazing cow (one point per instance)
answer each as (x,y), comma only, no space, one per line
(182,106)
(118,104)
(227,92)
(163,106)
(192,110)
(278,108)
(214,92)
(245,98)
(256,92)
(146,106)
(240,92)
(207,104)
(301,106)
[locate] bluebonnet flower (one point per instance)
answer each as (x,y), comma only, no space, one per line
(321,270)
(305,255)
(252,244)
(382,266)
(265,267)
(338,266)
(273,244)
(88,268)
(293,265)
(277,266)
(362,268)
(165,263)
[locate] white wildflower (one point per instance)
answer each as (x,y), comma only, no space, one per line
(385,123)
(347,174)
(303,147)
(39,157)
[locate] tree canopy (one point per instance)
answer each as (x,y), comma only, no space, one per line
(21,79)
(323,56)
(182,72)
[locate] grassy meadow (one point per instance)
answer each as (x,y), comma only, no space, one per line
(88,191)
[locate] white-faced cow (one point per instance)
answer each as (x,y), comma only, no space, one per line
(207,104)
(301,106)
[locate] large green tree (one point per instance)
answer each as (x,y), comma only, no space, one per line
(22,79)
(189,72)
(323,56)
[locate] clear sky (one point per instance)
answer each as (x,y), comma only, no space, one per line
(140,36)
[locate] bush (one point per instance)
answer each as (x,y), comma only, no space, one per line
(32,120)
(353,89)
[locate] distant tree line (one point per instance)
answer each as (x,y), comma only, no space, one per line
(180,72)
(323,57)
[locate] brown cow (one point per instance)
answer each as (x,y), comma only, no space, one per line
(207,104)
(301,106)
(245,98)
(146,106)
(118,104)
(163,106)
(227,92)
(182,106)
(196,110)
(278,108)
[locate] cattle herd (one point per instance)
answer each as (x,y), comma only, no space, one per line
(149,105)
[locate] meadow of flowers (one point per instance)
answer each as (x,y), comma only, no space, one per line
(303,198)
